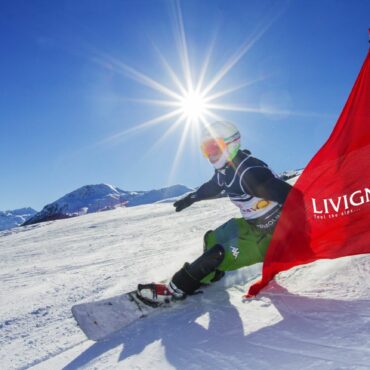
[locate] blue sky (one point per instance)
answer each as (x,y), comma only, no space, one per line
(64,98)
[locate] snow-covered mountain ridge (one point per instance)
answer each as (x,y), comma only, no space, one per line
(16,217)
(286,175)
(101,197)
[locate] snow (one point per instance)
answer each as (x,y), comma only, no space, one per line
(312,317)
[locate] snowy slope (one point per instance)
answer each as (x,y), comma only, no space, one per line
(314,317)
(16,217)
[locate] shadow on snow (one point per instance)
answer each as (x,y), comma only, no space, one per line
(324,333)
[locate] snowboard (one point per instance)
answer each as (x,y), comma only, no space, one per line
(100,319)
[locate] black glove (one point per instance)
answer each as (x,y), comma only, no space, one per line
(185,202)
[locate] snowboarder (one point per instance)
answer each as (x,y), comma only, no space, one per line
(252,186)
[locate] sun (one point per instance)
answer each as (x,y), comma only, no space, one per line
(193,106)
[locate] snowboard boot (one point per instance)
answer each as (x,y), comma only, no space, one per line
(186,281)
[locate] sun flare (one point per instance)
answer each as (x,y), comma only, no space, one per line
(193,106)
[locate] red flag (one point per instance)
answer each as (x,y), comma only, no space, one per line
(327,213)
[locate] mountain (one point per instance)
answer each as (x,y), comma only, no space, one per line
(14,218)
(160,195)
(286,175)
(101,197)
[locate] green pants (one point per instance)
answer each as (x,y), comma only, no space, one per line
(243,243)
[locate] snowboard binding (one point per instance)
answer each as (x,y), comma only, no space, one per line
(154,295)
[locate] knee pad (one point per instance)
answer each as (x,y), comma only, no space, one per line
(184,281)
(188,279)
(207,262)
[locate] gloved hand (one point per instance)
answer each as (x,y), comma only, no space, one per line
(185,202)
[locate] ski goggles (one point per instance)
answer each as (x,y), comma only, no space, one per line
(213,147)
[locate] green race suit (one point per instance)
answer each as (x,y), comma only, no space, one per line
(244,245)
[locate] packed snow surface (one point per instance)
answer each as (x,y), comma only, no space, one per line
(312,317)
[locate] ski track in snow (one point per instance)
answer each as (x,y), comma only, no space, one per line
(312,317)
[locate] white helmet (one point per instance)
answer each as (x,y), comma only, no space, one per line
(220,142)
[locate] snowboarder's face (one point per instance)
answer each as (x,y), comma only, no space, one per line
(213,149)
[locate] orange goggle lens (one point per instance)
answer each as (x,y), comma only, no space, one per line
(213,147)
